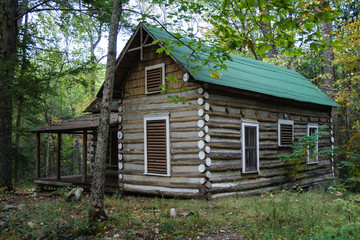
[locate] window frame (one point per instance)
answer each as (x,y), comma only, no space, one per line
(316,150)
(245,124)
(168,165)
(285,122)
(162,66)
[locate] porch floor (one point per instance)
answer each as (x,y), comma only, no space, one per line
(111,182)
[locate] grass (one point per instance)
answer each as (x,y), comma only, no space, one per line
(284,215)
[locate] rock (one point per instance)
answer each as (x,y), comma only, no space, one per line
(173,213)
(75,193)
(31,225)
(7,207)
(70,194)
(78,193)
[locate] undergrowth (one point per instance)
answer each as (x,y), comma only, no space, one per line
(284,215)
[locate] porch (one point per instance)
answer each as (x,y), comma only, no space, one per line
(81,127)
(111,184)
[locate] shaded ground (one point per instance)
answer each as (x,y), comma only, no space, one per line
(284,215)
(19,201)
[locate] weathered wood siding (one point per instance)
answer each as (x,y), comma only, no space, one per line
(185,179)
(227,108)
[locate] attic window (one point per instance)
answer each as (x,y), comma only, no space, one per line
(285,132)
(154,78)
(156,145)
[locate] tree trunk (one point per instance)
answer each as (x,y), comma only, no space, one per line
(17,140)
(328,54)
(96,209)
(265,29)
(8,36)
(329,77)
(93,45)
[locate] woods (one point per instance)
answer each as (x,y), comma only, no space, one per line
(51,68)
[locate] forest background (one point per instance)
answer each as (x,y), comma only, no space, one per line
(58,65)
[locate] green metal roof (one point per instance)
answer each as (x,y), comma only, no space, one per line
(252,75)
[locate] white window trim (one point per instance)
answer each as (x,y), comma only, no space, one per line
(168,166)
(251,124)
(161,65)
(288,122)
(310,161)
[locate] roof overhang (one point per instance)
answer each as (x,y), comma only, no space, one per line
(88,122)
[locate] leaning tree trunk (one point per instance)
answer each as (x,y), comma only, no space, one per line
(97,210)
(8,36)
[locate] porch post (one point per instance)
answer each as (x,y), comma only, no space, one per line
(58,157)
(37,164)
(84,163)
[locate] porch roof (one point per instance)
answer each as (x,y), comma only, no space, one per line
(81,123)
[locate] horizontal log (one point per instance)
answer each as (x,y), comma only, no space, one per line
(213,124)
(224,145)
(224,155)
(172,120)
(216,100)
(225,167)
(238,116)
(225,135)
(158,98)
(163,191)
(173,175)
(163,110)
(183,185)
(173,163)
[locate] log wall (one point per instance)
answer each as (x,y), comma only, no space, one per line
(185,179)
(226,112)
(205,137)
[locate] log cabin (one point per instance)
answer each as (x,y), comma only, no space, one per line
(224,138)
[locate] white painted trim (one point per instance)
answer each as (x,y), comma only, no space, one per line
(161,65)
(287,122)
(312,125)
(201,123)
(244,124)
(207,106)
(168,156)
(120,135)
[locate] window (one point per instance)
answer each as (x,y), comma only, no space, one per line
(285,132)
(250,146)
(156,145)
(154,78)
(313,150)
